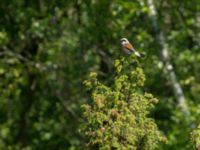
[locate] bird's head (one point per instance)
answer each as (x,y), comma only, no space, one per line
(124,41)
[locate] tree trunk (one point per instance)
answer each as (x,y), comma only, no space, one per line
(165,58)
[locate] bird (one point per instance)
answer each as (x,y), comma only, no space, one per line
(128,48)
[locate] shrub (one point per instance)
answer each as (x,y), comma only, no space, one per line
(118,115)
(195,135)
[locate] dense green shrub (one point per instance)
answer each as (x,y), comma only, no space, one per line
(118,116)
(196,137)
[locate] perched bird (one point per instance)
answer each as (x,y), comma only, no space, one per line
(128,48)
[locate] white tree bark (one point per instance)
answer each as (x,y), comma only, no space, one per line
(168,68)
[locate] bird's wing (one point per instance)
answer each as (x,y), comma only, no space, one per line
(129,47)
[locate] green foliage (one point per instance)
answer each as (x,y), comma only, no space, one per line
(195,136)
(118,116)
(47,49)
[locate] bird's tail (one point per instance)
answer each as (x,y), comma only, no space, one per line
(139,54)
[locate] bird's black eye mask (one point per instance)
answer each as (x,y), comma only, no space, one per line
(122,40)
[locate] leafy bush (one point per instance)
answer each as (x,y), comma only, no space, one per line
(118,116)
(196,137)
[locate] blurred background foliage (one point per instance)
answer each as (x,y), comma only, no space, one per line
(48,48)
